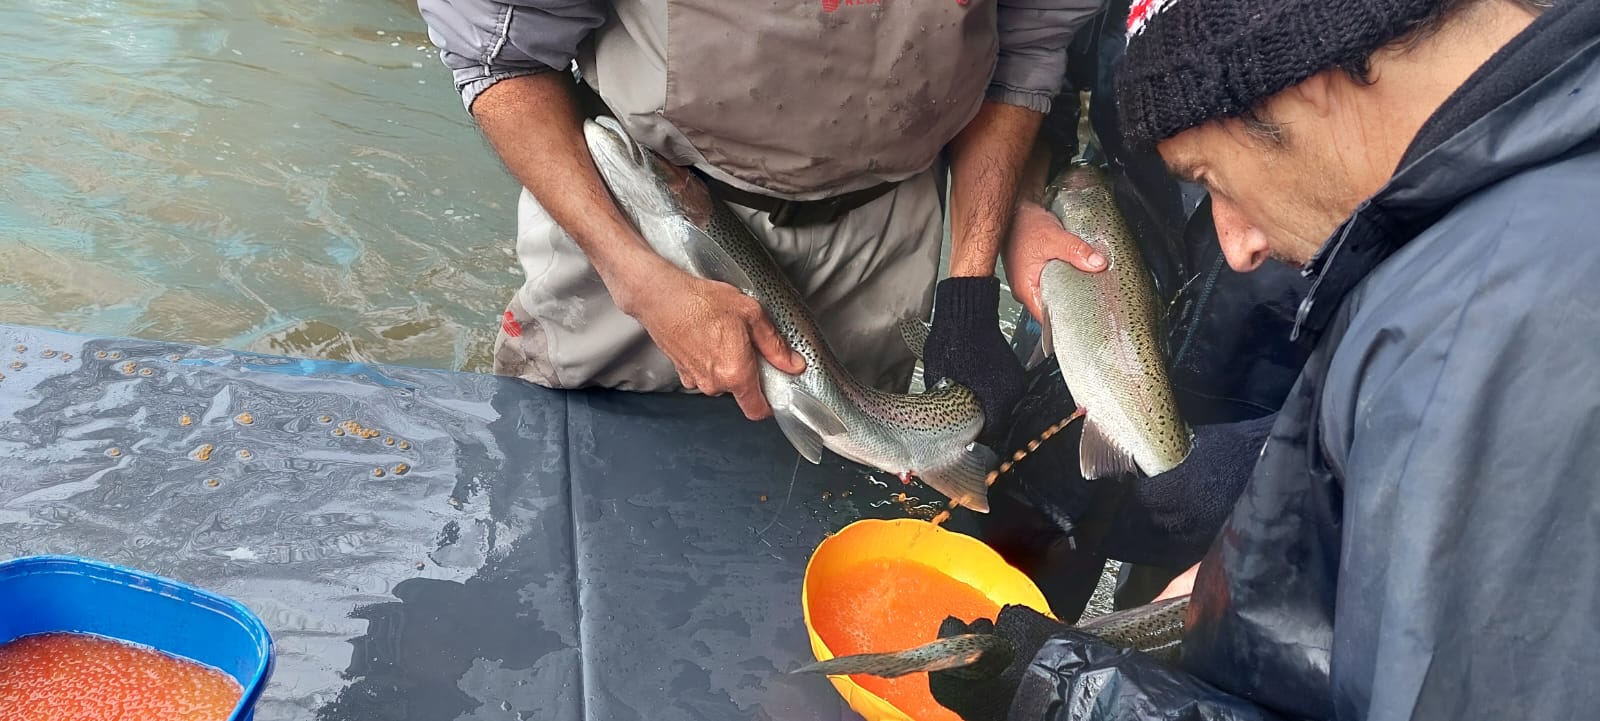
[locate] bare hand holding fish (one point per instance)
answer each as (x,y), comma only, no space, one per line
(716,337)
(1037,238)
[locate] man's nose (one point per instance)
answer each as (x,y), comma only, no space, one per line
(1243,244)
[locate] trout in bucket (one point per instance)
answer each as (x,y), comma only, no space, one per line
(930,435)
(1105,331)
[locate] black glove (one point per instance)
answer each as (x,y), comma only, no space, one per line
(1172,518)
(988,696)
(965,345)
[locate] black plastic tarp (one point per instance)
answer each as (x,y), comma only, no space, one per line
(543,555)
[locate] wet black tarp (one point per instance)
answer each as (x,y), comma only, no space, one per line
(542,555)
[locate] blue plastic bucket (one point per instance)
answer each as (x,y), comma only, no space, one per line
(43,594)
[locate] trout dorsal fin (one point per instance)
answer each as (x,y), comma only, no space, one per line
(915,333)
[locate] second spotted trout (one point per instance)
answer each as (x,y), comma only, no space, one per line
(929,435)
(1105,330)
(1155,629)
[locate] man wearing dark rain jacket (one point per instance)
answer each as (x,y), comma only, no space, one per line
(1418,537)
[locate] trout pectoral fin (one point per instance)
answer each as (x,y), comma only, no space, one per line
(965,480)
(915,333)
(712,261)
(1099,455)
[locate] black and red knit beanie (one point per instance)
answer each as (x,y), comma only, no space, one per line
(1192,61)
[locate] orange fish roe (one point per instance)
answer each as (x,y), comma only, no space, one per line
(60,676)
(892,605)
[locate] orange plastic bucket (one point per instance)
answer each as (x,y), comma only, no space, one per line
(916,572)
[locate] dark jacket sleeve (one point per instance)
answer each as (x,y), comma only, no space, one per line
(1463,415)
(1076,677)
(486,41)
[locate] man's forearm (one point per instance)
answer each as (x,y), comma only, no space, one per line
(535,127)
(986,162)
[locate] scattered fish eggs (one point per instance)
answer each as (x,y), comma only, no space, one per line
(21,348)
(100,354)
(185,420)
(244,419)
(212,483)
(66,356)
(405,446)
(128,368)
(244,453)
(47,353)
(203,453)
(377,473)
(113,452)
(115,355)
(338,431)
(325,419)
(400,469)
(388,441)
(174,357)
(18,365)
(146,372)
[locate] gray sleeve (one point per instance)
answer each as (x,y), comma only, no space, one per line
(1034,35)
(486,41)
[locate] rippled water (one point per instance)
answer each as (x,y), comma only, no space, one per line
(283,176)
(288,176)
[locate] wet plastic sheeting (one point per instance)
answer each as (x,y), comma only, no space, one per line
(539,554)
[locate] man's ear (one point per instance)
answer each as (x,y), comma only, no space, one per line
(1317,91)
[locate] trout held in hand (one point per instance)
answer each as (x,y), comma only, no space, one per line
(929,435)
(1155,629)
(1105,331)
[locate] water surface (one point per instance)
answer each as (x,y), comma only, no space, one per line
(284,176)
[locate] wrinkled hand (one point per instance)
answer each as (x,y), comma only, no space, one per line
(965,345)
(988,697)
(716,336)
(1037,237)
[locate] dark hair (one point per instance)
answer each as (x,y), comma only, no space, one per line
(1359,68)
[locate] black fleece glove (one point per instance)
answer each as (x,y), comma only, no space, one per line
(988,696)
(1177,514)
(965,345)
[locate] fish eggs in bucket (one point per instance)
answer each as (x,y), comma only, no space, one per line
(879,586)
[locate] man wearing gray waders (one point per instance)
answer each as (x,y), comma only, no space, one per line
(825,124)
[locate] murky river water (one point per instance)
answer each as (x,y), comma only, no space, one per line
(288,176)
(284,176)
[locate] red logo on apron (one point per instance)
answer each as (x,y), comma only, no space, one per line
(829,6)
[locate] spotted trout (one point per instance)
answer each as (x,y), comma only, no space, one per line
(1155,629)
(930,435)
(1105,332)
